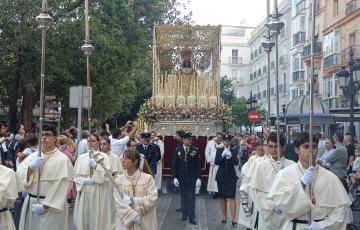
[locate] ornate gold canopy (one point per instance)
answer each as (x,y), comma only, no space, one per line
(186,65)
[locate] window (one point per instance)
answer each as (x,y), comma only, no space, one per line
(336,7)
(235,52)
(296,93)
(352,39)
(331,43)
(329,86)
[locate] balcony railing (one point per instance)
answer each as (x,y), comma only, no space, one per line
(307,49)
(298,38)
(350,7)
(300,6)
(332,60)
(235,60)
(298,75)
(345,53)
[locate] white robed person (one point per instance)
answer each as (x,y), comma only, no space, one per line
(210,153)
(289,193)
(56,174)
(92,207)
(10,186)
(248,210)
(115,170)
(136,201)
(156,141)
(262,180)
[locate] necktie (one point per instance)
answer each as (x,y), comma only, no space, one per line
(186,150)
(145,148)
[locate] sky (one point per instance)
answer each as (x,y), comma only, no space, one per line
(228,12)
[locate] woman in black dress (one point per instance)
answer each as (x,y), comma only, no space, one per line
(226,178)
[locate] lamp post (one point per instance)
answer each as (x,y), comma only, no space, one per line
(251,104)
(87,48)
(350,85)
(44,20)
(275,26)
(268,44)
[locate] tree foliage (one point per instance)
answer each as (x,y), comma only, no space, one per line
(227,92)
(121,64)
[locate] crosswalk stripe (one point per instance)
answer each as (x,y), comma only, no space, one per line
(200,212)
(162,209)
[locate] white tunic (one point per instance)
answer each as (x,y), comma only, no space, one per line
(158,176)
(210,154)
(10,186)
(247,172)
(141,187)
(56,180)
(331,199)
(92,206)
(263,178)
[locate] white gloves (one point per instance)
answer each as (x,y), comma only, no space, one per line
(197,190)
(228,155)
(36,163)
(137,219)
(314,226)
(92,163)
(279,165)
(223,154)
(38,209)
(176,182)
(126,200)
(308,176)
(88,181)
(198,183)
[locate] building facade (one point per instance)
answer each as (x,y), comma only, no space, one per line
(258,62)
(235,57)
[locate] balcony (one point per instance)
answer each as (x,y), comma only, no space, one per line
(345,53)
(298,75)
(299,37)
(300,6)
(350,7)
(307,49)
(235,60)
(251,77)
(332,60)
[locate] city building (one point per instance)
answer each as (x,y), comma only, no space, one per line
(340,36)
(258,62)
(235,57)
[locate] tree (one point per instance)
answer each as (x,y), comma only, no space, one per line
(227,92)
(240,112)
(121,65)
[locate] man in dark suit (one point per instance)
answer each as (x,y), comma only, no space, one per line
(151,152)
(187,175)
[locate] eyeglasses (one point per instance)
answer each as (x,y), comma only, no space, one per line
(307,146)
(272,146)
(47,134)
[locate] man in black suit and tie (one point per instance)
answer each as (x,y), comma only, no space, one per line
(187,175)
(151,152)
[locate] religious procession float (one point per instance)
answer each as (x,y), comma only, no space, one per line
(186,87)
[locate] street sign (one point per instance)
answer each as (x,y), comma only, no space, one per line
(254,116)
(80,95)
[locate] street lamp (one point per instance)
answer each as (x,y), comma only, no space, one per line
(350,85)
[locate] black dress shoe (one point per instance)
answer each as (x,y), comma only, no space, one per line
(183,218)
(215,196)
(223,221)
(192,221)
(234,224)
(178,210)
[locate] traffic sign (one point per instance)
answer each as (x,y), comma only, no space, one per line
(254,116)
